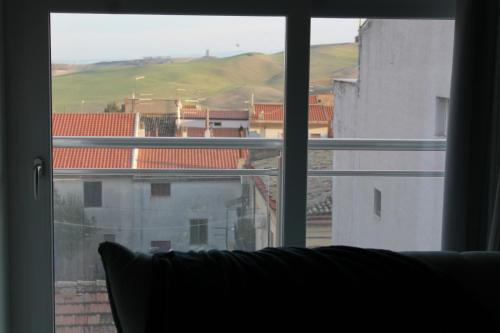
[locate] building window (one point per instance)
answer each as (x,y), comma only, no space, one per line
(92,194)
(160,246)
(160,189)
(377,202)
(198,231)
(109,237)
(442,110)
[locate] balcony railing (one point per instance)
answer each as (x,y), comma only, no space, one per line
(249,143)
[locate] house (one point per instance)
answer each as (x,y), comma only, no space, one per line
(401,93)
(146,211)
(266,119)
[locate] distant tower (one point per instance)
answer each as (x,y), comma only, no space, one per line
(207,53)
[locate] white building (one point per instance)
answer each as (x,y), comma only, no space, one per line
(402,93)
(142,212)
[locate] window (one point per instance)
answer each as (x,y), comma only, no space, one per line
(377,202)
(442,109)
(74,99)
(160,246)
(198,234)
(92,194)
(160,189)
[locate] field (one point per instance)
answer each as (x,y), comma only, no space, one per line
(222,83)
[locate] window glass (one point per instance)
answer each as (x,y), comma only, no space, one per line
(170,79)
(384,79)
(92,194)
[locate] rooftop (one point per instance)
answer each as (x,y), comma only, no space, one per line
(274,113)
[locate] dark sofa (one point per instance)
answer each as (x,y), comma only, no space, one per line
(339,288)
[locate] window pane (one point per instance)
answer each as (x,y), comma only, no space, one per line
(183,78)
(383,79)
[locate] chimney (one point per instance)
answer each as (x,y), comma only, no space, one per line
(241,152)
(252,104)
(179,106)
(207,124)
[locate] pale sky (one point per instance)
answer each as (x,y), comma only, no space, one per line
(85,38)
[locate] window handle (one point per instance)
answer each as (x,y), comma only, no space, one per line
(37,173)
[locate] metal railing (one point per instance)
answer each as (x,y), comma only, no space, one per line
(248,143)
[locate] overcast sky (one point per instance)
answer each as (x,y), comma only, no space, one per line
(84,38)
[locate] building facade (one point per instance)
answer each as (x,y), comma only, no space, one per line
(402,93)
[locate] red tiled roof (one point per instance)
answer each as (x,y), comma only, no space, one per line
(122,125)
(229,115)
(226,132)
(93,124)
(213,114)
(274,112)
(313,99)
(216,132)
(190,158)
(193,114)
(320,113)
(91,158)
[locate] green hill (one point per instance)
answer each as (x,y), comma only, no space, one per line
(220,82)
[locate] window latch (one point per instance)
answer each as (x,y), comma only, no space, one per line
(37,173)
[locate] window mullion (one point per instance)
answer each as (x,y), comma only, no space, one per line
(294,161)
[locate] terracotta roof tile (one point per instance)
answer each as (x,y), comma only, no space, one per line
(190,158)
(216,132)
(93,124)
(274,112)
(91,158)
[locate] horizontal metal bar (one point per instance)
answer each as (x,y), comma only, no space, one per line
(241,172)
(164,142)
(377,144)
(374,173)
(165,172)
(248,143)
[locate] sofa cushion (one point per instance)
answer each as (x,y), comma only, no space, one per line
(291,287)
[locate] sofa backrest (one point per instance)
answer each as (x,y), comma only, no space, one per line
(343,285)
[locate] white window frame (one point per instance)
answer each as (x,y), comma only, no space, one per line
(442,115)
(27,79)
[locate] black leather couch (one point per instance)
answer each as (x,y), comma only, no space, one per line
(335,288)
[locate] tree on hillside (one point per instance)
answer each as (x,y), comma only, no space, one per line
(113,107)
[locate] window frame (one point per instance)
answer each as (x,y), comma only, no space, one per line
(195,224)
(165,194)
(31,298)
(92,203)
(442,116)
(377,202)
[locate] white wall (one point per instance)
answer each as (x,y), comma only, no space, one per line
(168,218)
(136,218)
(404,66)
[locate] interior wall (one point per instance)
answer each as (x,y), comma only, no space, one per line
(3,190)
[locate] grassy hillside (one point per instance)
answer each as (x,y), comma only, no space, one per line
(221,82)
